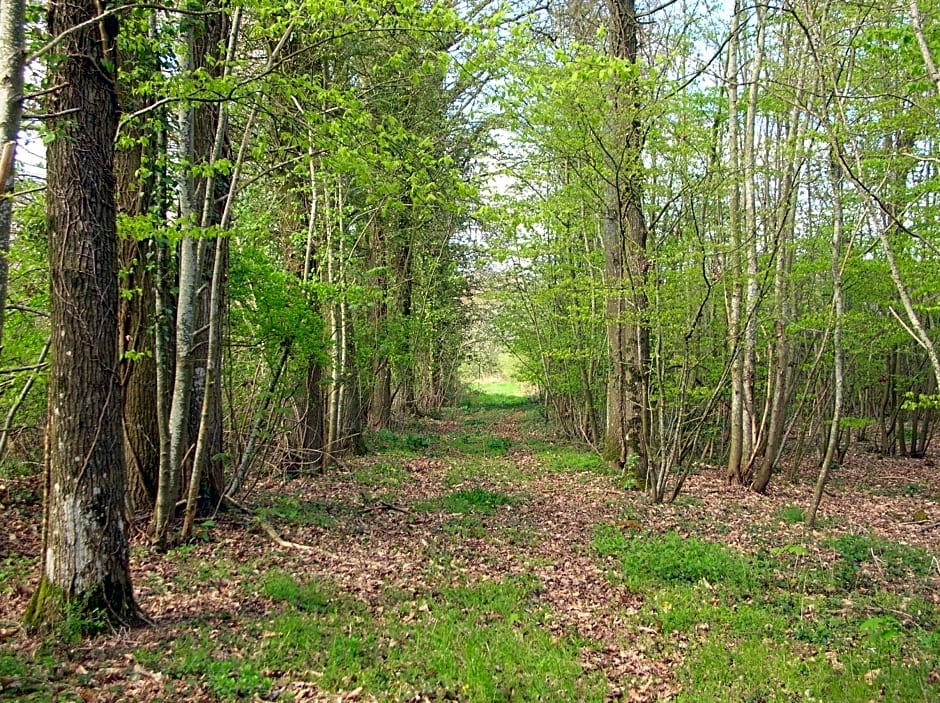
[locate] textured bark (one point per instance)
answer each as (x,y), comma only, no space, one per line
(85,546)
(625,234)
(136,308)
(11,110)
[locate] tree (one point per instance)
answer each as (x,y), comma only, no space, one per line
(625,234)
(12,18)
(85,569)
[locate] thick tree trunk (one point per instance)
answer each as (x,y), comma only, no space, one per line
(85,545)
(625,234)
(11,109)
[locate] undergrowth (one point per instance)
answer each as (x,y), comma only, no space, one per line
(477,643)
(779,626)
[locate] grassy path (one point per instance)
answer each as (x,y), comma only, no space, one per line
(473,557)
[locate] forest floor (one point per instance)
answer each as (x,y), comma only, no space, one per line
(475,557)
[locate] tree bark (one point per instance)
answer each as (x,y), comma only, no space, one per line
(178,422)
(85,569)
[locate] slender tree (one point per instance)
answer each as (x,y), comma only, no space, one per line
(625,234)
(12,18)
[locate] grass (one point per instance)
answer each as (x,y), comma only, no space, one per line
(474,444)
(382,475)
(791,515)
(475,501)
(495,470)
(572,460)
(411,443)
(775,626)
(291,509)
(472,643)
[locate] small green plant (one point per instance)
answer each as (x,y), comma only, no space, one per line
(475,500)
(478,443)
(897,561)
(381,475)
(309,596)
(570,459)
(791,514)
(609,540)
(298,512)
(465,526)
(387,442)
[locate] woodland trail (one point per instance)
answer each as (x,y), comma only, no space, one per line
(472,557)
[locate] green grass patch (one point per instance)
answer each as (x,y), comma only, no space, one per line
(465,526)
(499,470)
(473,501)
(410,443)
(864,556)
(478,643)
(777,626)
(15,570)
(479,443)
(381,475)
(297,512)
(760,668)
(571,459)
(791,514)
(309,596)
(671,558)
(221,661)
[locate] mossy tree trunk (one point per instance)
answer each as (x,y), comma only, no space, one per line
(85,572)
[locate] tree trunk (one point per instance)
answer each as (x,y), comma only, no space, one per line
(12,51)
(178,422)
(625,234)
(85,569)
(751,298)
(213,51)
(736,448)
(379,412)
(135,197)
